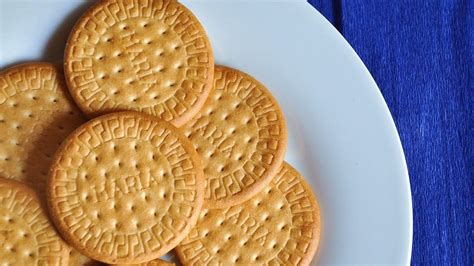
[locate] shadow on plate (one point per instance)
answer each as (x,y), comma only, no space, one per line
(54,49)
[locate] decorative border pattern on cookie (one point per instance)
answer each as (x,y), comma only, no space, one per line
(125,188)
(25,223)
(241,135)
(112,66)
(279,226)
(36,114)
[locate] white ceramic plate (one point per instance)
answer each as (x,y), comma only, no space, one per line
(342,137)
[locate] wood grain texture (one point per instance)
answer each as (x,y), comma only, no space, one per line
(420,54)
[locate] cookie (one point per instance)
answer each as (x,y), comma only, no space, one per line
(36,114)
(26,235)
(279,226)
(77,259)
(125,188)
(150,56)
(241,135)
(157,262)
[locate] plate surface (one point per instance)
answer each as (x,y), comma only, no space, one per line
(342,137)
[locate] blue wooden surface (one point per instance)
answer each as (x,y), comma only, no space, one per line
(421,55)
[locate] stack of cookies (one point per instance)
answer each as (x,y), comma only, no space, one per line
(141,145)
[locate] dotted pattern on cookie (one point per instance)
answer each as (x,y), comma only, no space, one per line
(279,226)
(26,235)
(36,114)
(125,188)
(241,135)
(149,56)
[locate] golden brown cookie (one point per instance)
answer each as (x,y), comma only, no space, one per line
(279,226)
(149,56)
(156,262)
(26,235)
(76,258)
(241,135)
(125,188)
(36,114)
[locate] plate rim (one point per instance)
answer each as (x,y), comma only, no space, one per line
(375,89)
(401,154)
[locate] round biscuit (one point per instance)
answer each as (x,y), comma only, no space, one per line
(125,188)
(36,114)
(279,226)
(150,56)
(241,136)
(26,235)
